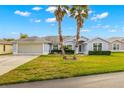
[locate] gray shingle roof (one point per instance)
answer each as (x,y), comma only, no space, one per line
(47,39)
(5,42)
(34,39)
(116,38)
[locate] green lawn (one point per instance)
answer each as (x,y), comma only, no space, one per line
(53,67)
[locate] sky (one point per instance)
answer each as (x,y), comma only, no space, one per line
(103,21)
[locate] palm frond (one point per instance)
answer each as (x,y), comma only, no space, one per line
(80,16)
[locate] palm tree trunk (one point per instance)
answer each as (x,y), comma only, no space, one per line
(77,42)
(61,40)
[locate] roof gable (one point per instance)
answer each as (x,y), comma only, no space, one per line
(82,38)
(115,38)
(97,39)
(116,41)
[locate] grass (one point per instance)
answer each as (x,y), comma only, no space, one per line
(54,67)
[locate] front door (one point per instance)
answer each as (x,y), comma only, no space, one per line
(80,49)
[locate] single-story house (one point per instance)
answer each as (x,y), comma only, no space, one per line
(5,47)
(116,44)
(32,46)
(85,44)
(44,45)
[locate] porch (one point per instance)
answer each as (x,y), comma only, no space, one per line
(82,47)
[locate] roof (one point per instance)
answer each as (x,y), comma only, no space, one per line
(54,39)
(115,38)
(33,39)
(97,38)
(74,37)
(47,39)
(5,43)
(116,41)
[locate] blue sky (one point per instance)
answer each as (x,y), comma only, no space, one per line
(103,21)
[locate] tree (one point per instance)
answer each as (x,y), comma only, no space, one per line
(59,14)
(9,39)
(80,13)
(23,36)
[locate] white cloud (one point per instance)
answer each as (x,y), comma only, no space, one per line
(100,16)
(85,30)
(113,30)
(51,9)
(21,13)
(36,8)
(101,26)
(50,20)
(14,33)
(37,21)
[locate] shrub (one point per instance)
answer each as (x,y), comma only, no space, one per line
(99,53)
(67,51)
(55,51)
(68,47)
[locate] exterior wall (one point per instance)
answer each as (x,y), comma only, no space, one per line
(8,49)
(121,46)
(105,45)
(70,43)
(82,43)
(83,48)
(46,49)
(15,48)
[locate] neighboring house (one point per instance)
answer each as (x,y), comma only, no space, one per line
(32,46)
(5,47)
(116,44)
(44,45)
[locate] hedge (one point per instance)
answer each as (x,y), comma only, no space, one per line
(55,51)
(59,51)
(69,51)
(99,53)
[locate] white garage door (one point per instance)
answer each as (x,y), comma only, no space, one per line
(30,48)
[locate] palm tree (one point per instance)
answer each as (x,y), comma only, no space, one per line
(80,13)
(59,14)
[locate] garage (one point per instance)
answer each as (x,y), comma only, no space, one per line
(32,46)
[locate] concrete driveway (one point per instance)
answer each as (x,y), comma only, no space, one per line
(111,80)
(10,62)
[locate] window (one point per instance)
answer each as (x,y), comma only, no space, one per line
(79,48)
(100,47)
(55,46)
(94,46)
(116,46)
(97,46)
(4,48)
(69,47)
